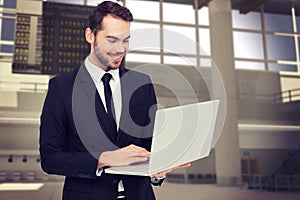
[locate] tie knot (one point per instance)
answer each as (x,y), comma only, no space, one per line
(106,78)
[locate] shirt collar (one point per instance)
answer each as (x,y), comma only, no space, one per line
(97,73)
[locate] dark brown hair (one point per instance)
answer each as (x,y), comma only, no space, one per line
(105,8)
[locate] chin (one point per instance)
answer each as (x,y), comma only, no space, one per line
(115,65)
(112,67)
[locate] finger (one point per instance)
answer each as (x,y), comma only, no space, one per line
(161,174)
(138,148)
(155,175)
(185,165)
(138,153)
(147,155)
(133,160)
(135,154)
(134,148)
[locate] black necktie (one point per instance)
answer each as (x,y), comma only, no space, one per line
(109,103)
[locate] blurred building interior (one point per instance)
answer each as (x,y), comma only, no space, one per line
(243,52)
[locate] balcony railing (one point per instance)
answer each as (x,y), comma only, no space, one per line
(272,183)
(280,97)
(287,96)
(23,87)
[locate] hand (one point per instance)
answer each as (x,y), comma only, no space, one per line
(162,174)
(124,156)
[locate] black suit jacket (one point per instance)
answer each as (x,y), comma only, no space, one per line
(73,134)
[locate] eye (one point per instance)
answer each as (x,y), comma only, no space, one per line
(112,40)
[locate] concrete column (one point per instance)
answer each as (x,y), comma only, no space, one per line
(228,167)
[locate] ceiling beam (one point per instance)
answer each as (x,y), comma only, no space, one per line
(247,5)
(202,3)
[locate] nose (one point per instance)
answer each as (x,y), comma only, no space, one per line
(120,47)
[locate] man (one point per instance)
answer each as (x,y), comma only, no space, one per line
(68,146)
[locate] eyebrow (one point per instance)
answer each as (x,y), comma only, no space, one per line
(116,38)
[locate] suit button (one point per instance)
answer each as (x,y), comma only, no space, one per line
(115,181)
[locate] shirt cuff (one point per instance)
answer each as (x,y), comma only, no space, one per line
(99,171)
(157,181)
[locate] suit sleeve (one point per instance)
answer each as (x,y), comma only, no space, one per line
(56,158)
(152,111)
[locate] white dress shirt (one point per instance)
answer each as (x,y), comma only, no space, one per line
(97,73)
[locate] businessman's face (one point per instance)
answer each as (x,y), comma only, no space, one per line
(110,45)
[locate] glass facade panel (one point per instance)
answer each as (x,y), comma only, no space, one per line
(281,48)
(298,22)
(138,10)
(179,40)
(178,13)
(249,65)
(10,3)
(78,2)
(144,58)
(177,60)
(248,45)
(203,17)
(6,48)
(251,20)
(206,62)
(279,23)
(144,37)
(298,38)
(281,67)
(8,29)
(96,2)
(204,37)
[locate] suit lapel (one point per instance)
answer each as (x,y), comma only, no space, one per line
(123,137)
(126,125)
(89,88)
(128,84)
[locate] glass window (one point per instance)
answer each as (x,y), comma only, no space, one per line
(148,10)
(298,22)
(8,15)
(178,13)
(135,57)
(206,62)
(298,38)
(279,23)
(251,20)
(248,45)
(179,40)
(249,65)
(10,3)
(178,60)
(144,37)
(281,67)
(281,48)
(78,2)
(6,48)
(96,2)
(203,17)
(8,29)
(204,37)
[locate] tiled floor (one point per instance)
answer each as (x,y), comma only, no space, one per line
(212,192)
(52,191)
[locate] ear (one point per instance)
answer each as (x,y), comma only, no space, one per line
(89,35)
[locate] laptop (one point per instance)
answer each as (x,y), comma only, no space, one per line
(181,135)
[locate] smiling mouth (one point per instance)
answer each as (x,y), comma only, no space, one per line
(116,57)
